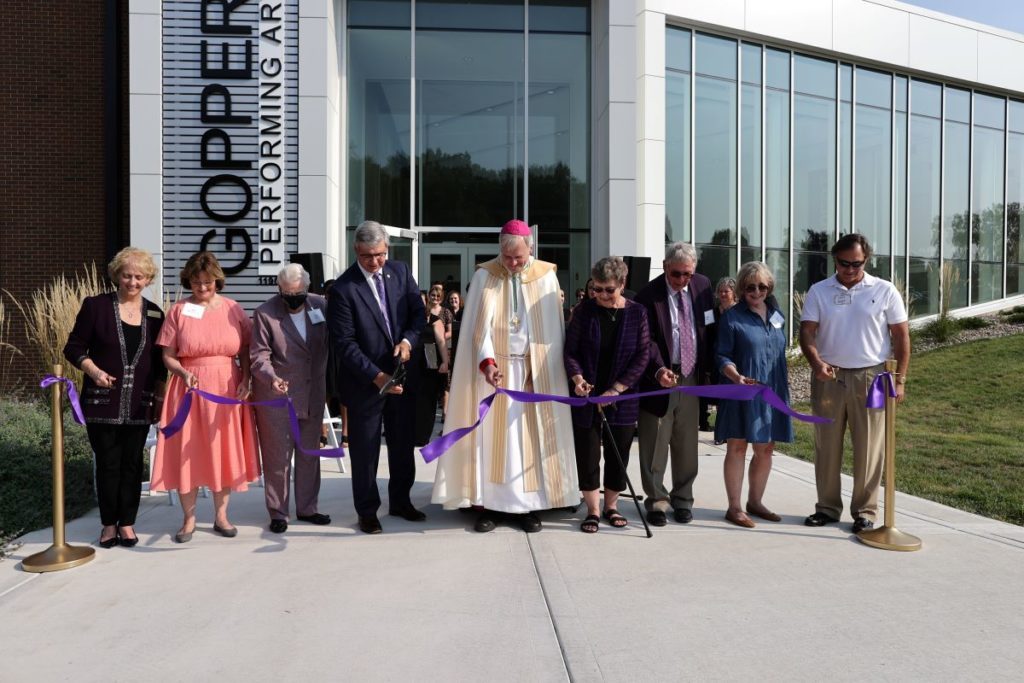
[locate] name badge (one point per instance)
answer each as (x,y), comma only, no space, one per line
(842,299)
(776,320)
(191,310)
(709,317)
(154,314)
(316,316)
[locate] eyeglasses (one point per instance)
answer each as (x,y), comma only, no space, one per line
(370,257)
(680,273)
(850,264)
(759,287)
(606,290)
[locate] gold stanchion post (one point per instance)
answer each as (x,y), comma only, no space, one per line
(60,555)
(888,537)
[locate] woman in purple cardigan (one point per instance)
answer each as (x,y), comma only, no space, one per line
(606,349)
(112,344)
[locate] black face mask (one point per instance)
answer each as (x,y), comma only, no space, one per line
(294,300)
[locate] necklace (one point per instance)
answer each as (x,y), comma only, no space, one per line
(612,312)
(129,312)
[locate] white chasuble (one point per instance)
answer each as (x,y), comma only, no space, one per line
(521,458)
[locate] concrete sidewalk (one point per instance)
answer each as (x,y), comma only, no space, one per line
(438,602)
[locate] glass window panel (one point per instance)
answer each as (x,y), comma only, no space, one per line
(956,226)
(899,248)
(379,13)
(814,76)
(1014,198)
(872,185)
(677,157)
(488,15)
(715,141)
(716,56)
(926,98)
(814,187)
(874,88)
(846,83)
(845,166)
(716,261)
(958,105)
(559,143)
(562,16)
(469,133)
(751,63)
(379,124)
(925,174)
(677,48)
(777,261)
(989,111)
(901,93)
(987,218)
(776,169)
(1016,116)
(750,167)
(923,286)
(777,69)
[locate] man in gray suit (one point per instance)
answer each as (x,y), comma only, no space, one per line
(289,357)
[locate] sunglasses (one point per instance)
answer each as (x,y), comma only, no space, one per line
(759,287)
(606,290)
(680,273)
(850,264)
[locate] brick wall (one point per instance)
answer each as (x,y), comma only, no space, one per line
(52,197)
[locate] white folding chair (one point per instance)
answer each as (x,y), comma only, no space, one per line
(333,423)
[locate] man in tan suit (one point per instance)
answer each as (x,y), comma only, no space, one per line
(289,357)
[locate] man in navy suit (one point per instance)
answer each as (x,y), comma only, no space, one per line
(679,307)
(374,316)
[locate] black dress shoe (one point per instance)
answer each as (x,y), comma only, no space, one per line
(129,542)
(226,532)
(279,526)
(485,522)
(682,515)
(315,518)
(862,524)
(110,542)
(409,514)
(657,518)
(819,519)
(530,523)
(370,524)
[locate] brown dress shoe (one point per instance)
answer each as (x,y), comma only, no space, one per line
(763,513)
(739,519)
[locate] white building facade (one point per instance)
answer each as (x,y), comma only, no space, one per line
(756,129)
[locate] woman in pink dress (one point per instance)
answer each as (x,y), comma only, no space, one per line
(201,339)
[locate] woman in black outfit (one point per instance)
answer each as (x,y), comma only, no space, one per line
(112,343)
(432,351)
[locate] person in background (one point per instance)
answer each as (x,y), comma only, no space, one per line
(288,354)
(849,325)
(725,298)
(205,342)
(113,344)
(606,351)
(432,358)
(436,309)
(752,350)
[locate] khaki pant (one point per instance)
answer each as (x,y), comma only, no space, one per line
(843,401)
(676,432)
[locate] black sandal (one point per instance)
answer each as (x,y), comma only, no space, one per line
(615,518)
(591,524)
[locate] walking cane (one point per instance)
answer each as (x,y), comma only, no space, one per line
(618,456)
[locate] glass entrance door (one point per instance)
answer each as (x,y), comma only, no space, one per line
(452,265)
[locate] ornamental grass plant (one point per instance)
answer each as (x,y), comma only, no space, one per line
(8,352)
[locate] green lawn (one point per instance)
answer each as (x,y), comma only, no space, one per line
(960,433)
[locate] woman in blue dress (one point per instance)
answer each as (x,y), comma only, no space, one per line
(752,350)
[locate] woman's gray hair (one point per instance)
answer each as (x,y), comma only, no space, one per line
(752,271)
(610,269)
(680,251)
(370,233)
(726,281)
(506,241)
(292,273)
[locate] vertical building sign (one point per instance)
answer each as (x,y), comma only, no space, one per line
(230,139)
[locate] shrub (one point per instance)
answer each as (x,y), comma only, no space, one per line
(973,323)
(1016,318)
(941,329)
(26,488)
(1011,311)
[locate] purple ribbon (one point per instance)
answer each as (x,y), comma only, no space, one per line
(178,421)
(880,387)
(733,392)
(76,405)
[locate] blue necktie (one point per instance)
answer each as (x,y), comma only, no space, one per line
(379,282)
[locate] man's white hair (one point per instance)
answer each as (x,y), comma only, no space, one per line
(292,273)
(507,241)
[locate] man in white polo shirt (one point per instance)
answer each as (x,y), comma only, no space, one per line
(851,324)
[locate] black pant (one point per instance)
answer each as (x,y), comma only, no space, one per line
(588,442)
(398,417)
(118,450)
